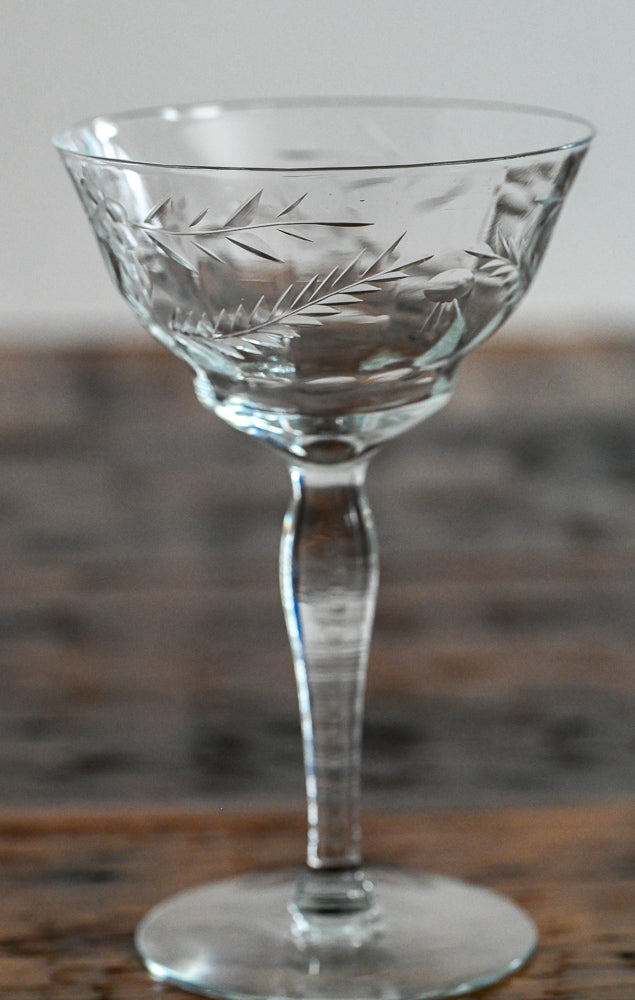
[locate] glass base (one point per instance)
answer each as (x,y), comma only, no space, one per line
(414,937)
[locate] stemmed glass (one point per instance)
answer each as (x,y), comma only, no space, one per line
(323,267)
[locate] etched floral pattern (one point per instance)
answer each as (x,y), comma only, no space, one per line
(242,229)
(140,252)
(130,268)
(502,263)
(318,299)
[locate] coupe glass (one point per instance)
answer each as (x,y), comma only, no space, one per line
(323,267)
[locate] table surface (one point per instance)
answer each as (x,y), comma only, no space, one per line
(149,735)
(74,887)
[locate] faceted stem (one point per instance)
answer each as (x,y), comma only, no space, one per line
(329,576)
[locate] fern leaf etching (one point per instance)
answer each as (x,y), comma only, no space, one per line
(309,305)
(243,229)
(502,261)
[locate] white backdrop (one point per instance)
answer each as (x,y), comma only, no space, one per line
(63,60)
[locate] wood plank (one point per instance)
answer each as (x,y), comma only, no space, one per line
(75,885)
(142,647)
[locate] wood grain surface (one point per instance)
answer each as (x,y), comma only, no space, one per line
(142,646)
(75,886)
(148,725)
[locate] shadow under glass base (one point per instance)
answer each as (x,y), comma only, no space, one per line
(419,938)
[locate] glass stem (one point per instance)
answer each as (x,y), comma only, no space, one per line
(329,576)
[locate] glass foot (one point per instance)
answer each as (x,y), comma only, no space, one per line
(403,936)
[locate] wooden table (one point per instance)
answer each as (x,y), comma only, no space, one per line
(149,735)
(76,885)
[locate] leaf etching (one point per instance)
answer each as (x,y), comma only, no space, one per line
(243,229)
(316,300)
(502,261)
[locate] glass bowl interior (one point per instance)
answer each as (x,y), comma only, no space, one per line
(324,134)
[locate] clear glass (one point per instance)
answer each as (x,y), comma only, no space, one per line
(323,267)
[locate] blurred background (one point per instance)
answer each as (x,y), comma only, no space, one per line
(63,60)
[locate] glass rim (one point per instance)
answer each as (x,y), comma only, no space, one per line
(196,110)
